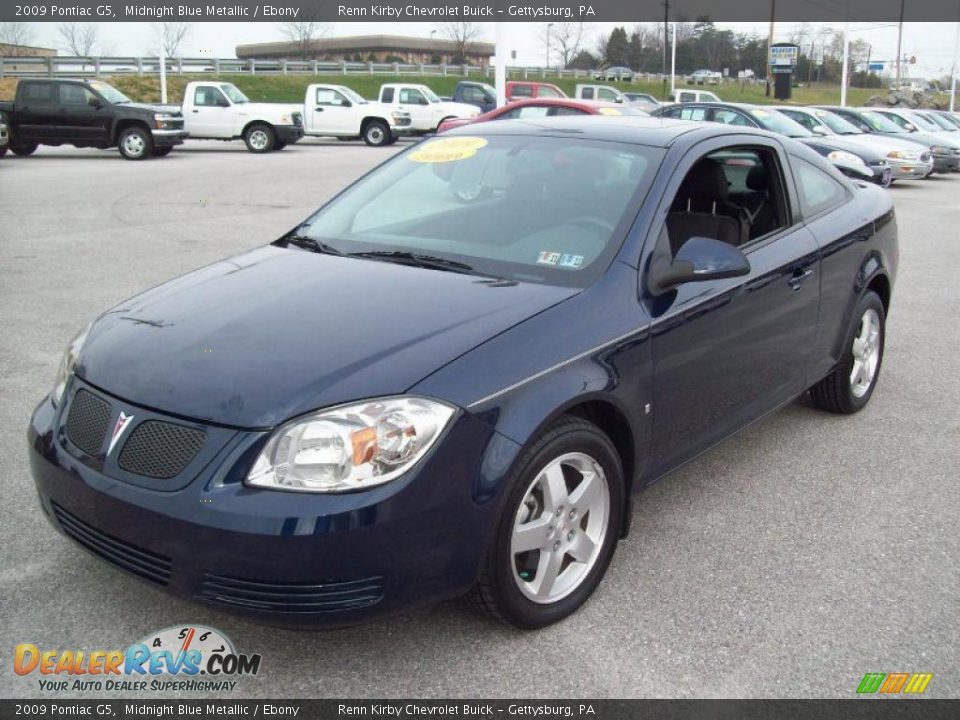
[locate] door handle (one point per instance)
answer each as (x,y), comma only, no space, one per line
(796,282)
(195,110)
(319,109)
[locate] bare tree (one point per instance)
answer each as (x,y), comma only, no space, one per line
(80,38)
(462,34)
(13,34)
(303,33)
(170,37)
(567,39)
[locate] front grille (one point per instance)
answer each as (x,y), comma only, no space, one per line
(88,422)
(300,598)
(160,450)
(148,565)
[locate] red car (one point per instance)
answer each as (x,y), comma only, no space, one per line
(545,107)
(524,90)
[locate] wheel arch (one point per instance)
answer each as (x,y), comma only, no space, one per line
(258,121)
(125,123)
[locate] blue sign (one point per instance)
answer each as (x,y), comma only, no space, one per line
(875,67)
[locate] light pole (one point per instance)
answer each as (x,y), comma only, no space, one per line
(953,69)
(547,65)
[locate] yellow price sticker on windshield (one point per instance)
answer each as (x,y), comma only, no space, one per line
(609,111)
(447,149)
(757,112)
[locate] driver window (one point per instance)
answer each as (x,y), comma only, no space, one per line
(75,95)
(604,94)
(209,97)
(330,98)
(411,97)
(734,195)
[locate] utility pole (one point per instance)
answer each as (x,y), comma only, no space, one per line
(900,39)
(953,70)
(846,64)
(549,25)
(673,60)
(666,22)
(773,12)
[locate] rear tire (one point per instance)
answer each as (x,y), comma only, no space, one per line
(376,133)
(849,387)
(24,149)
(558,528)
(135,143)
(260,138)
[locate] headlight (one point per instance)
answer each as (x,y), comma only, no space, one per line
(162,121)
(840,156)
(352,447)
(67,364)
(902,155)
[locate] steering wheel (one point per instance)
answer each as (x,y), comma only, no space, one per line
(592,221)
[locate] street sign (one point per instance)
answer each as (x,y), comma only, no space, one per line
(875,67)
(784,54)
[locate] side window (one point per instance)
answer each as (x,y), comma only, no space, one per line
(547,91)
(474,95)
(808,122)
(672,112)
(692,113)
(606,94)
(208,97)
(532,111)
(818,191)
(522,91)
(735,195)
(330,98)
(38,93)
(567,111)
(587,93)
(730,117)
(688,97)
(75,95)
(411,97)
(859,122)
(387,95)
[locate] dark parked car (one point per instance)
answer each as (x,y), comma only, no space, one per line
(454,375)
(470,92)
(4,138)
(88,114)
(850,158)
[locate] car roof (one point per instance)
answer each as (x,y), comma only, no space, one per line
(636,130)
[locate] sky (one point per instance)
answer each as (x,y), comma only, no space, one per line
(933,44)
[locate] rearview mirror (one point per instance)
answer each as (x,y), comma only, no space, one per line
(698,259)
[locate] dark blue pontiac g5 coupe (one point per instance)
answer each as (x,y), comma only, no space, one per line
(453,376)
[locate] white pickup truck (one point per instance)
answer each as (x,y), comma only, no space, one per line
(599,92)
(337,111)
(219,111)
(426,110)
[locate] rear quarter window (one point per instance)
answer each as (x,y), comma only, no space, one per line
(818,191)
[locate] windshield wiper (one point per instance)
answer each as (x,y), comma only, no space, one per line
(405,257)
(309,243)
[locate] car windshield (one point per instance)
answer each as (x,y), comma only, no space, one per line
(921,122)
(779,123)
(941,121)
(352,95)
(109,93)
(879,123)
(234,94)
(431,95)
(525,208)
(837,123)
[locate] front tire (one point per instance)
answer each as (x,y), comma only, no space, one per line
(24,149)
(135,143)
(376,133)
(260,138)
(849,387)
(558,529)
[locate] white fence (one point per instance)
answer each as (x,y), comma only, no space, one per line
(26,67)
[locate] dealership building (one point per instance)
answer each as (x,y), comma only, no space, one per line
(376,48)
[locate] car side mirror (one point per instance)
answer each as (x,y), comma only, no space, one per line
(699,259)
(424,101)
(95,103)
(910,127)
(819,130)
(223,102)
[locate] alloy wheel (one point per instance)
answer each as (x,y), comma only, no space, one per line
(866,353)
(560,528)
(259,140)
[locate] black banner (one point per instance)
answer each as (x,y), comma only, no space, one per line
(853,709)
(473,10)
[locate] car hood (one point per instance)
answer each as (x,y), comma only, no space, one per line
(837,142)
(256,339)
(458,109)
(887,143)
(165,109)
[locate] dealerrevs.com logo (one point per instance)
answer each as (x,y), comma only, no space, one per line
(183,658)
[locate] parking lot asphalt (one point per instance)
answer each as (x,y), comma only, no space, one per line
(787,562)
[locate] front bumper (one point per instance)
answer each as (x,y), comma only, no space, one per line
(168,138)
(910,169)
(285,558)
(289,133)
